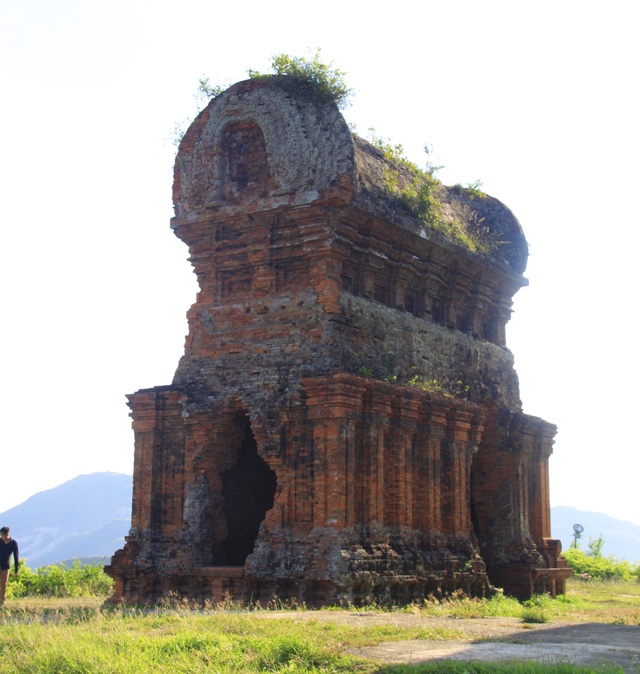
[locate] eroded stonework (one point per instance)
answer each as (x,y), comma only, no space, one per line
(345,424)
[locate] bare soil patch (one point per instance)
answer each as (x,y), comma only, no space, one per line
(493,639)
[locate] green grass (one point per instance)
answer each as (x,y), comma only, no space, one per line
(80,635)
(133,641)
(507,667)
(596,601)
(602,601)
(90,639)
(538,609)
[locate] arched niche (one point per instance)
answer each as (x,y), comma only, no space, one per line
(244,164)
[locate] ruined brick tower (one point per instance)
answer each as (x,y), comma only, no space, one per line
(345,423)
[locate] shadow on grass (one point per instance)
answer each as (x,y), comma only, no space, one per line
(577,649)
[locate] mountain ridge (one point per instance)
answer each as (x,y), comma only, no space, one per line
(621,538)
(87,516)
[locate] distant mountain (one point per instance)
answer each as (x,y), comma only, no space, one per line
(86,517)
(621,539)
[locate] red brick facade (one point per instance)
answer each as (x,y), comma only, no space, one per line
(345,423)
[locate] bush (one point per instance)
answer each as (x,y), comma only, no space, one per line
(60,580)
(588,565)
(311,77)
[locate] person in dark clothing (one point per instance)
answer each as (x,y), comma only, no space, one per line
(8,547)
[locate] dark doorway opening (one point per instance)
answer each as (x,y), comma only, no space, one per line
(248,490)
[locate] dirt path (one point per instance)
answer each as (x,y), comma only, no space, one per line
(493,639)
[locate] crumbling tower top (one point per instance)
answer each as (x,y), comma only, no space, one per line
(263,145)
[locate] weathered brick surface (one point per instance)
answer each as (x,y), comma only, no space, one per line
(345,423)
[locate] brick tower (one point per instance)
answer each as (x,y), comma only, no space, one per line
(345,424)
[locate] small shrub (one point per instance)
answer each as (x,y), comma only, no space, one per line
(474,189)
(535,610)
(206,90)
(534,615)
(311,77)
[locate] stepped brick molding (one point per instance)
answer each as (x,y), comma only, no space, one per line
(345,424)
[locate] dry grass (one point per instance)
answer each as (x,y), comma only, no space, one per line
(604,601)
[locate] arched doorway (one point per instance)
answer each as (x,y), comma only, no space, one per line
(248,490)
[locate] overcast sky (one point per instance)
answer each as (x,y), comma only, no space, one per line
(537,100)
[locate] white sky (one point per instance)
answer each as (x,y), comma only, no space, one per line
(538,100)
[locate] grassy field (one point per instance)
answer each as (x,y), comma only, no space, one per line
(60,636)
(615,602)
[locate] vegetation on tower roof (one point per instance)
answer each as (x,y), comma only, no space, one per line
(310,77)
(419,192)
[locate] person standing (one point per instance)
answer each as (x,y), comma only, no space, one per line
(8,547)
